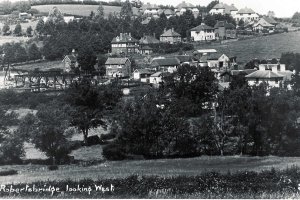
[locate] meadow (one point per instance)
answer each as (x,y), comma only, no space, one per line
(163,167)
(78,10)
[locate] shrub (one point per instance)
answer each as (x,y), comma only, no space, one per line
(53,167)
(8,172)
(108,136)
(114,151)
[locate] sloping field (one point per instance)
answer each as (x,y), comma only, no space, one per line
(82,10)
(163,167)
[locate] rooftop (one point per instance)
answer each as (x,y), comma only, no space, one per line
(228,8)
(246,11)
(124,38)
(149,40)
(170,33)
(184,4)
(264,74)
(224,24)
(116,61)
(202,27)
(165,62)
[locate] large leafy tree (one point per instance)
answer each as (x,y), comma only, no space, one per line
(18,30)
(46,130)
(89,104)
(40,26)
(34,52)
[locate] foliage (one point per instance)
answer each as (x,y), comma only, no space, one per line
(53,167)
(29,31)
(18,30)
(8,172)
(40,26)
(6,29)
(89,103)
(47,132)
(34,52)
(114,152)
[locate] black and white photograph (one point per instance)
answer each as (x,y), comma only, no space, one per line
(149,99)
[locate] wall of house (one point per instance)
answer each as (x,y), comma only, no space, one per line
(213,63)
(170,40)
(155,80)
(203,35)
(271,82)
(216,11)
(246,17)
(120,70)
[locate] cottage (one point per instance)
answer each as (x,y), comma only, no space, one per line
(158,78)
(118,67)
(169,13)
(181,8)
(170,36)
(124,44)
(202,33)
(70,62)
(223,8)
(149,9)
(267,76)
(246,14)
(165,64)
(148,40)
(142,75)
(263,26)
(146,50)
(224,30)
(218,61)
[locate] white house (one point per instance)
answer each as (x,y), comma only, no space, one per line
(203,33)
(223,8)
(142,75)
(156,78)
(181,8)
(246,14)
(263,24)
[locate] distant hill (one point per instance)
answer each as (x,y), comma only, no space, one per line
(79,10)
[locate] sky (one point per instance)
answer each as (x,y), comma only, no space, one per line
(282,8)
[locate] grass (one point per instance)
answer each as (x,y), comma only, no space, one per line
(46,65)
(247,184)
(163,167)
(78,10)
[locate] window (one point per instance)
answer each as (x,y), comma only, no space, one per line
(256,80)
(276,80)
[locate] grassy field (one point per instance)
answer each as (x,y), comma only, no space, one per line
(80,10)
(164,167)
(46,65)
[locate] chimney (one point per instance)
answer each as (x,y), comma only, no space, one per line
(154,35)
(121,36)
(129,34)
(172,29)
(165,29)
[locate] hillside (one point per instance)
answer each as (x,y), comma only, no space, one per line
(80,10)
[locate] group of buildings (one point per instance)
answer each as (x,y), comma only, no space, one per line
(224,66)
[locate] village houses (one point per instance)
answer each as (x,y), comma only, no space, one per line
(246,14)
(224,30)
(118,67)
(223,8)
(70,62)
(124,44)
(170,36)
(202,33)
(184,6)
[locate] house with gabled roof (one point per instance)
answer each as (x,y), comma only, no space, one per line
(182,7)
(170,36)
(224,30)
(142,75)
(202,33)
(246,14)
(223,8)
(118,67)
(149,9)
(263,25)
(165,64)
(124,44)
(70,62)
(169,13)
(267,76)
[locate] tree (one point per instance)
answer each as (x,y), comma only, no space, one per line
(34,52)
(40,26)
(29,31)
(100,11)
(101,64)
(86,59)
(126,10)
(241,23)
(6,29)
(18,30)
(211,5)
(47,132)
(87,105)
(20,53)
(11,146)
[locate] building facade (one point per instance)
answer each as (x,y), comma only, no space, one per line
(118,67)
(124,44)
(202,33)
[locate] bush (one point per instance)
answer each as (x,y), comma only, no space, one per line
(8,172)
(108,136)
(114,151)
(53,167)
(11,149)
